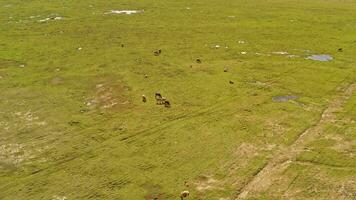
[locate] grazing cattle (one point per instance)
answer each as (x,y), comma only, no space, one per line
(122,45)
(158,96)
(159,99)
(231,82)
(158,52)
(198,60)
(162,101)
(167,104)
(225,69)
(146,76)
(144,99)
(340,49)
(184,194)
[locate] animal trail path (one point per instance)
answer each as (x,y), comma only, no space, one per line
(284,157)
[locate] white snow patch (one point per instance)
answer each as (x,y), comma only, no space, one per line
(44,20)
(293,56)
(50,18)
(280,52)
(56,197)
(262,54)
(127,12)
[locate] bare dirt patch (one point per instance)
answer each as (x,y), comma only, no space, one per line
(245,151)
(207,183)
(320,183)
(29,118)
(275,126)
(108,95)
(341,145)
(14,154)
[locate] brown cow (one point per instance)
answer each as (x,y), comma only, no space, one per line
(144,99)
(157,53)
(167,104)
(158,98)
(184,194)
(162,101)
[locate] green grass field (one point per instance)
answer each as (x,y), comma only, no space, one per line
(73,125)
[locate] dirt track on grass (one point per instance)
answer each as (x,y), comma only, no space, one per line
(284,157)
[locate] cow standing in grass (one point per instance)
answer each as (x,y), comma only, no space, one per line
(158,98)
(184,194)
(158,52)
(167,104)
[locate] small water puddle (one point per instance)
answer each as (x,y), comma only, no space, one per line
(284,98)
(321,57)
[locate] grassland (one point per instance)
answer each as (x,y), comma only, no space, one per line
(73,126)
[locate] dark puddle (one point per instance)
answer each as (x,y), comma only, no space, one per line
(284,98)
(322,57)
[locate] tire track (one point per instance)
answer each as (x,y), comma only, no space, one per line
(284,157)
(90,152)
